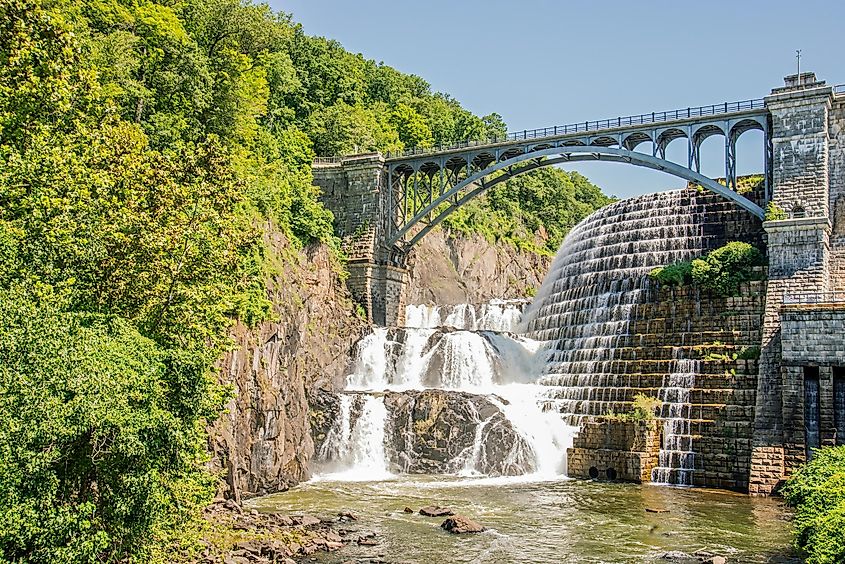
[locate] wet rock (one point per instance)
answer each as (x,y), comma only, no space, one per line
(460,525)
(306,520)
(347,516)
(431,432)
(676,555)
(435,511)
(368,541)
(653,510)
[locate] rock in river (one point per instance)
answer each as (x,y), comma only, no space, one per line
(460,524)
(435,511)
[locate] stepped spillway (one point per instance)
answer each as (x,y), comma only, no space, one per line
(609,332)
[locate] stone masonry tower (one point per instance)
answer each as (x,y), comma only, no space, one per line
(799,251)
(354,190)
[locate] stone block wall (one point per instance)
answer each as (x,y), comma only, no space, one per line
(688,323)
(353,188)
(614,449)
(798,250)
(836,178)
(813,335)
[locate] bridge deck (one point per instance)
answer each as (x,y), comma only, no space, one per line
(610,126)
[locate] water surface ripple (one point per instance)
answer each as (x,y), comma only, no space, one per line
(546,521)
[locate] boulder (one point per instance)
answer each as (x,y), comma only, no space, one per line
(433,432)
(305,520)
(460,525)
(435,511)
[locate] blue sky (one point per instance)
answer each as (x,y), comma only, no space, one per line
(540,62)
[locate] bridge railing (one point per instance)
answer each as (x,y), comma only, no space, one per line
(599,125)
(807,298)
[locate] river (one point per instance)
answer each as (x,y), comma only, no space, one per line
(544,521)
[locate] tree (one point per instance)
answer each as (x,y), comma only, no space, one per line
(410,126)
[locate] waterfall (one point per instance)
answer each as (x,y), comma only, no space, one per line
(584,311)
(356,451)
(519,378)
(677,460)
(496,315)
(488,377)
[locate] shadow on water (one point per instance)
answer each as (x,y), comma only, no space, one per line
(549,521)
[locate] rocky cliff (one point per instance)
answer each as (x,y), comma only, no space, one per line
(447,270)
(263,442)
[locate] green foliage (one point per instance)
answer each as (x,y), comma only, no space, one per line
(721,271)
(101,435)
(749,353)
(774,212)
(817,491)
(724,269)
(643,408)
(533,211)
(746,184)
(678,274)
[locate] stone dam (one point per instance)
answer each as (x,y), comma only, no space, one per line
(517,388)
(746,385)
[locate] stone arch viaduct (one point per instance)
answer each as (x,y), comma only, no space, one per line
(384,204)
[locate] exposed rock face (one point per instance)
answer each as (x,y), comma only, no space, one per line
(447,270)
(435,432)
(264,441)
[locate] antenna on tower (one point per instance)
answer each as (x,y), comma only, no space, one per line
(798,58)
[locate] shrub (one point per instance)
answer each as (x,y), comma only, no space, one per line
(724,269)
(817,491)
(774,212)
(677,274)
(645,407)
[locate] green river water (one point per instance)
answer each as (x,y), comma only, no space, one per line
(544,521)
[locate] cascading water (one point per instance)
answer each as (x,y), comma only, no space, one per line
(677,460)
(454,361)
(583,311)
(575,357)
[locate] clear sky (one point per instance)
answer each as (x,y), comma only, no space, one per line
(542,62)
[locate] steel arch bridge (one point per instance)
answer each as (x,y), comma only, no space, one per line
(425,186)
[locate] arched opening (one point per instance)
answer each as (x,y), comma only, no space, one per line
(711,155)
(478,182)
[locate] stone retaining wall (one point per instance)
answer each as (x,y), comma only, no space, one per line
(614,449)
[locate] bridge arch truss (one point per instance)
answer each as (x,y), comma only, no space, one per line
(425,188)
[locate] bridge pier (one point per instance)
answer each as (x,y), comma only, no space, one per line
(799,262)
(355,189)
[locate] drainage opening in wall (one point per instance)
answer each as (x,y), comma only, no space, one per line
(610,473)
(594,472)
